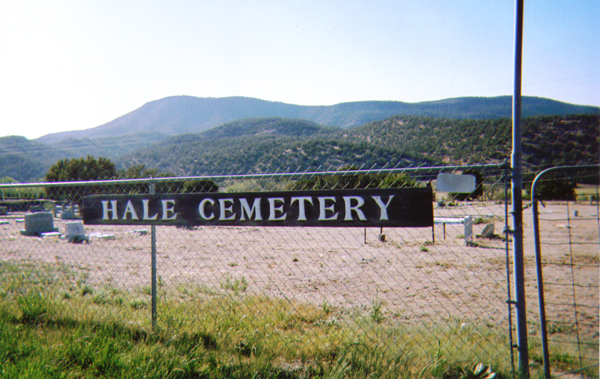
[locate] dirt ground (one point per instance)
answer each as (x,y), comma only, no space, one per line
(408,275)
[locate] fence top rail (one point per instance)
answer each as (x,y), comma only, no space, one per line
(557,168)
(288,175)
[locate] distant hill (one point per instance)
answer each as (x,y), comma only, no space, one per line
(185,114)
(263,145)
(189,135)
(276,144)
(25,160)
(547,140)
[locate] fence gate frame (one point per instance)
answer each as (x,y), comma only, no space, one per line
(538,257)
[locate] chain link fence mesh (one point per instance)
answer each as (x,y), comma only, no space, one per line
(395,296)
(569,246)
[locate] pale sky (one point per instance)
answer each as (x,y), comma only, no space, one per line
(77,64)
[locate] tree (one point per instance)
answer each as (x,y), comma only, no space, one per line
(553,188)
(354,181)
(67,170)
(78,169)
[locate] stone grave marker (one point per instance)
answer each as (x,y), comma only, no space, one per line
(37,208)
(69,213)
(468,227)
(488,230)
(74,232)
(102,236)
(38,223)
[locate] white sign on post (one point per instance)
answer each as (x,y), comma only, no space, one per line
(456,183)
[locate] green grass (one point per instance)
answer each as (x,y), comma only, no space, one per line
(227,333)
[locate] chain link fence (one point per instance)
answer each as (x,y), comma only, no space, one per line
(416,297)
(567,241)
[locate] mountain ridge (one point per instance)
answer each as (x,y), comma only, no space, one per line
(187,114)
(277,144)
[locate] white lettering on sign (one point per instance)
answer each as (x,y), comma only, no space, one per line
(147,209)
(167,210)
(247,211)
(301,203)
(323,209)
(224,209)
(131,210)
(383,207)
(202,208)
(112,209)
(273,210)
(356,208)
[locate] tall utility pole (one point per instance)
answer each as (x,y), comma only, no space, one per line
(517,200)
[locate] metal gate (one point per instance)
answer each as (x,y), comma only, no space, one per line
(567,241)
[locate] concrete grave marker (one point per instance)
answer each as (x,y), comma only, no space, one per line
(467,222)
(68,213)
(488,230)
(468,229)
(74,232)
(102,236)
(37,208)
(38,223)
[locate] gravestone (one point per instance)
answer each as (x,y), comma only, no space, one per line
(468,227)
(488,230)
(74,232)
(103,236)
(38,223)
(37,208)
(69,213)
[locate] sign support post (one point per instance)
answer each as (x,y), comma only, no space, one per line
(153,279)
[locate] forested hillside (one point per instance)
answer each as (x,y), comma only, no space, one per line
(547,140)
(266,145)
(441,139)
(24,160)
(275,144)
(281,144)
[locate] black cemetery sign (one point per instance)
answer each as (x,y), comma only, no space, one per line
(394,207)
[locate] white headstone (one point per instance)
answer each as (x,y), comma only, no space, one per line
(468,228)
(74,232)
(68,213)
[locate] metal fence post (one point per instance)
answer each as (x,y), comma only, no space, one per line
(153,232)
(517,201)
